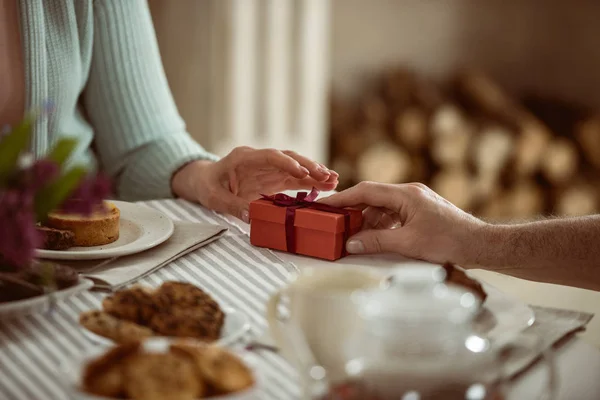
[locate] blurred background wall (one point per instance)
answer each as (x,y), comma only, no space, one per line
(551,46)
(261,67)
(491,103)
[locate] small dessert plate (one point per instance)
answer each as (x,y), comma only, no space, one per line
(235,326)
(41,303)
(141,228)
(71,372)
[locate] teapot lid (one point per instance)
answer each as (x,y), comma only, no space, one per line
(419,292)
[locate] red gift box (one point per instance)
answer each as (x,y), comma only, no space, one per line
(301,226)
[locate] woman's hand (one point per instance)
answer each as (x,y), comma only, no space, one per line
(229,184)
(412,220)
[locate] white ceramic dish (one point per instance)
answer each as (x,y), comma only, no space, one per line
(70,372)
(235,326)
(499,316)
(141,228)
(42,303)
(502,316)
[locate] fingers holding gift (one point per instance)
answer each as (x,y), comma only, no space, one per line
(288,161)
(318,172)
(309,183)
(372,241)
(369,193)
(248,157)
(380,218)
(282,181)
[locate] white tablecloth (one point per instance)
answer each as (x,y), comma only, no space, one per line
(236,274)
(577,361)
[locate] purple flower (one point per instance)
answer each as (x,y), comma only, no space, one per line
(36,176)
(18,235)
(89,196)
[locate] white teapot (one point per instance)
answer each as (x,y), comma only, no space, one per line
(418,343)
(352,336)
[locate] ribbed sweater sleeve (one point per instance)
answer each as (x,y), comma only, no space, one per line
(140,138)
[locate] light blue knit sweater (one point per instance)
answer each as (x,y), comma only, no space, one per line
(98,62)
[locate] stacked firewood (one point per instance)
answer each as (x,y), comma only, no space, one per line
(471,142)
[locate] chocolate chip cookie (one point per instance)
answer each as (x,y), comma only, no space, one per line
(109,326)
(187,322)
(161,376)
(104,376)
(136,304)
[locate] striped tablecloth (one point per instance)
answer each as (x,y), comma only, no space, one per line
(234,272)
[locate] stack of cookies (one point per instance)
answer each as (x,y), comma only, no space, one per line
(185,371)
(175,309)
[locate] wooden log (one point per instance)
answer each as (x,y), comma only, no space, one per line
(487,98)
(348,144)
(496,209)
(486,187)
(427,95)
(492,150)
(560,116)
(342,115)
(410,128)
(447,119)
(375,111)
(530,147)
(587,133)
(353,142)
(525,200)
(560,161)
(455,185)
(452,148)
(384,162)
(484,96)
(397,86)
(346,170)
(578,199)
(419,168)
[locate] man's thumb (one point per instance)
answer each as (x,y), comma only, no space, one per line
(373,241)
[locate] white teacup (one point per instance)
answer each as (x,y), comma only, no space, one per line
(322,311)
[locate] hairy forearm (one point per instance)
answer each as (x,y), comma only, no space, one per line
(562,251)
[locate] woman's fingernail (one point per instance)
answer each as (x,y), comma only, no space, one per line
(332,172)
(355,247)
(304,170)
(322,169)
(246,216)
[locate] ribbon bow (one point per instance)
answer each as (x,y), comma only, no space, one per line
(304,200)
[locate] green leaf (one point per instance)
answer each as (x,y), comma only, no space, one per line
(12,145)
(62,150)
(55,193)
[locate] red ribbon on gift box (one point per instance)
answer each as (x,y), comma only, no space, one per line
(305,200)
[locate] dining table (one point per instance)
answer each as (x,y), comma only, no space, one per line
(241,276)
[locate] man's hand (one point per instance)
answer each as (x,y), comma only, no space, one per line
(412,220)
(244,174)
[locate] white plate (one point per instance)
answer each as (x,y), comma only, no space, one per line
(42,303)
(502,316)
(236,324)
(141,228)
(71,371)
(499,316)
